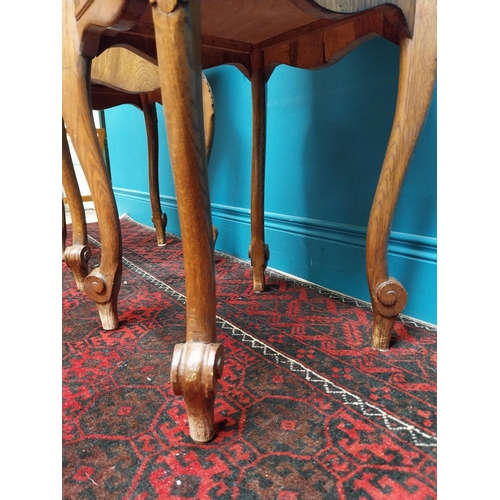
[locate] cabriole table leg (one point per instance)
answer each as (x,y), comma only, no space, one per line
(158,217)
(416,84)
(76,255)
(102,284)
(197,364)
(258,251)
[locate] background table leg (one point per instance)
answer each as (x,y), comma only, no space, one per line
(76,255)
(258,251)
(102,284)
(158,217)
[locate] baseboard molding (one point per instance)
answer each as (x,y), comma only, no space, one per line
(326,253)
(400,244)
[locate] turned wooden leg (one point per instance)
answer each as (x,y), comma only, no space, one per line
(258,251)
(197,364)
(158,217)
(78,254)
(102,284)
(416,84)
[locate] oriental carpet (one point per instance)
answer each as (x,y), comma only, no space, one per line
(306,409)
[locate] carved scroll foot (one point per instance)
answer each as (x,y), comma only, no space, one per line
(103,291)
(77,258)
(388,302)
(258,252)
(196,369)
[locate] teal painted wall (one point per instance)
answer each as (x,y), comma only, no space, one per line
(327,132)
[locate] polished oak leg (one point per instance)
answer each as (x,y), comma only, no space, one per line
(197,364)
(158,217)
(416,84)
(102,284)
(258,251)
(78,254)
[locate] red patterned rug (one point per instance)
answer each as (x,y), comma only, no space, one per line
(306,409)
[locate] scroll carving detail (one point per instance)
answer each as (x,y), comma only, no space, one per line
(95,287)
(391,298)
(196,369)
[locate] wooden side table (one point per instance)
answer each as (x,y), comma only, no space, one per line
(256,36)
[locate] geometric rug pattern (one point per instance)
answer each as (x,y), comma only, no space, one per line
(305,409)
